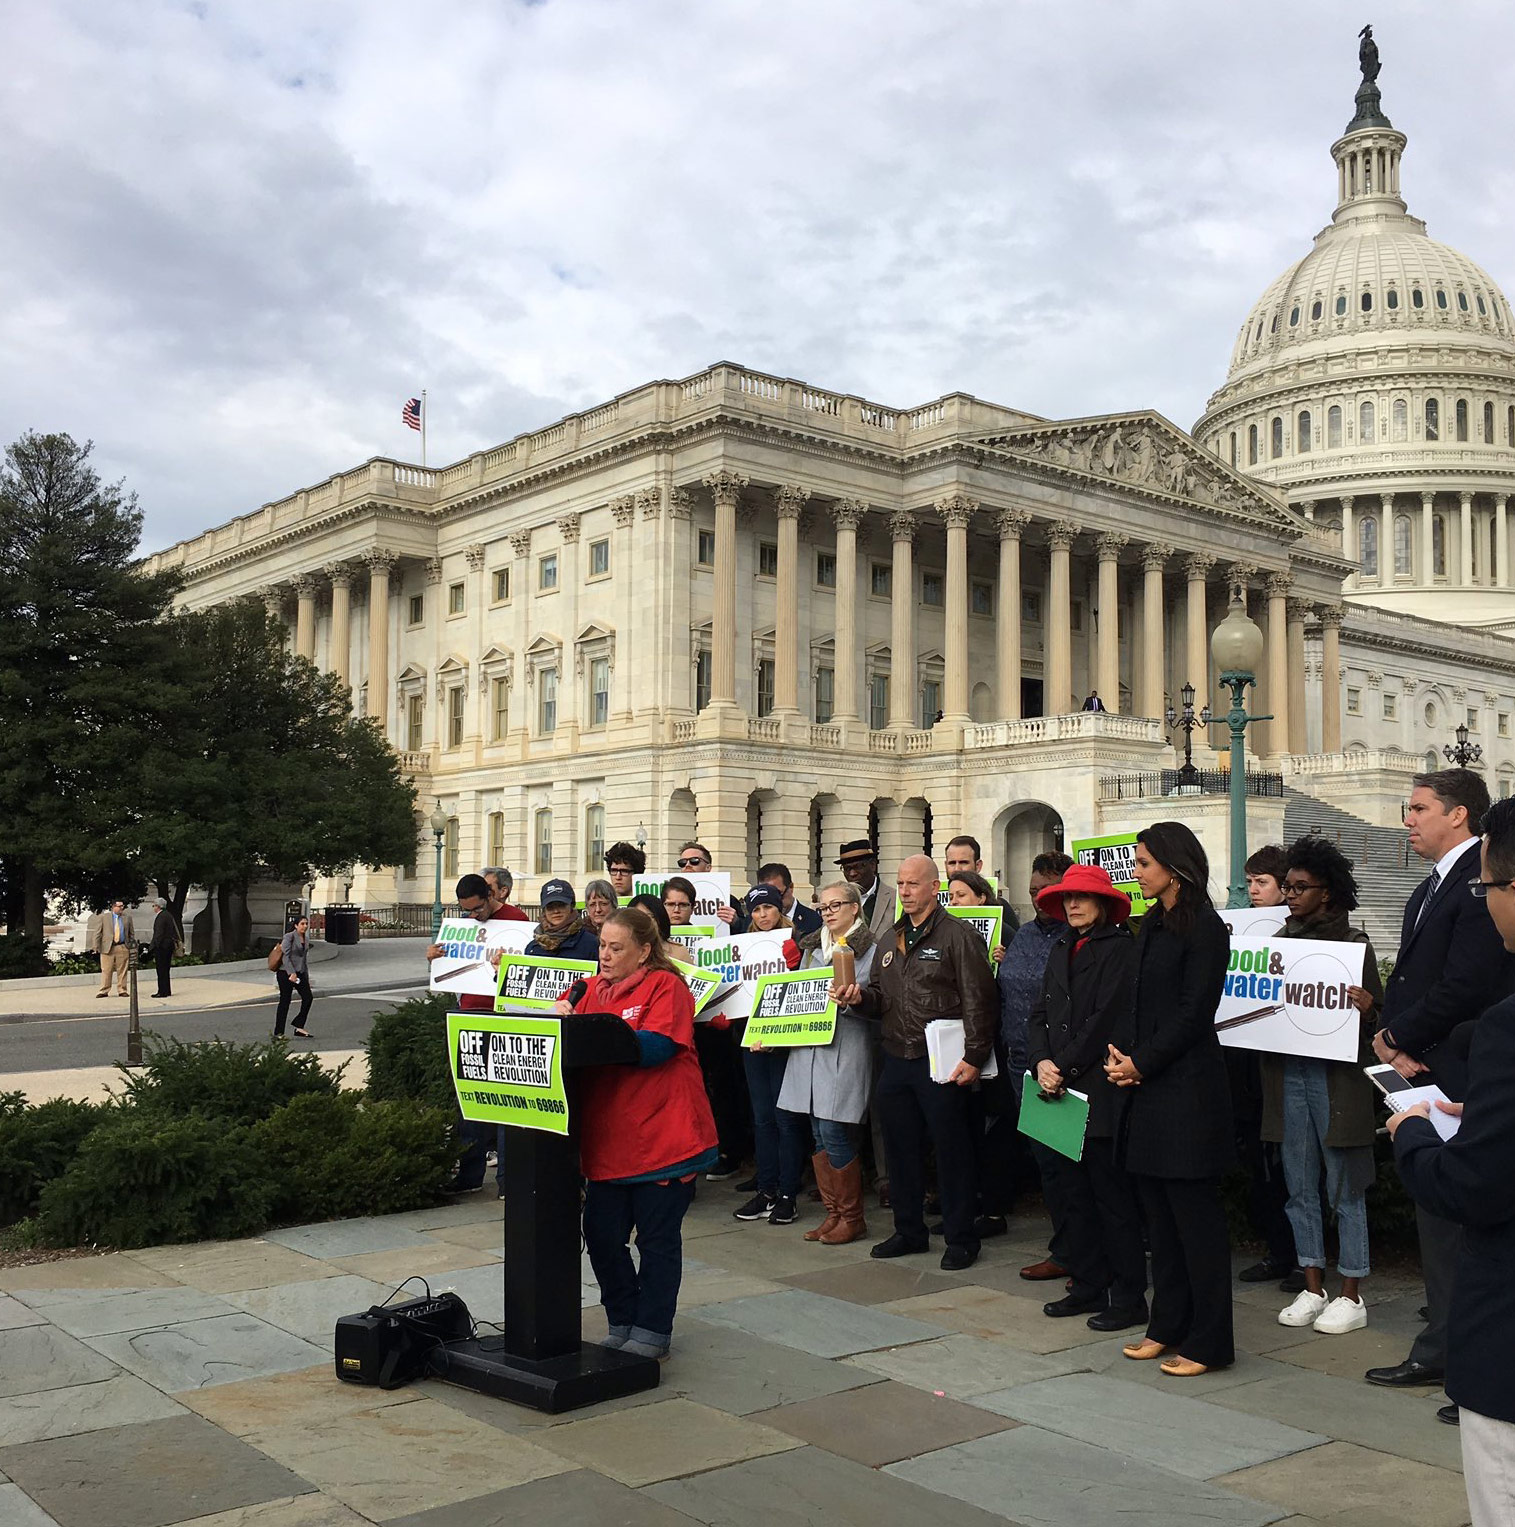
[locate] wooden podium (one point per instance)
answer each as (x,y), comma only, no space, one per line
(540,1359)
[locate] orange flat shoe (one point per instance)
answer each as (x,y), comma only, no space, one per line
(1144,1350)
(1182,1368)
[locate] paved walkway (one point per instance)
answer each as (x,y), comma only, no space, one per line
(194,1384)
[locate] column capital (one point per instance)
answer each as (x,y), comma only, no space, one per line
(1011,523)
(651,501)
(520,542)
(273,596)
(623,509)
(680,503)
(957,510)
(788,500)
(381,560)
(342,574)
(726,486)
(1490,697)
(1109,546)
(1428,500)
(1198,566)
(1332,615)
(1155,556)
(433,567)
(847,513)
(1387,501)
(568,528)
(1307,508)
(474,555)
(1061,534)
(902,525)
(1299,610)
(1467,500)
(305,585)
(1278,585)
(1240,574)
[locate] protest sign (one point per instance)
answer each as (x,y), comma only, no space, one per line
(531,980)
(687,935)
(712,891)
(464,964)
(1288,996)
(794,1008)
(985,921)
(1253,922)
(508,1069)
(740,962)
(1115,853)
(702,986)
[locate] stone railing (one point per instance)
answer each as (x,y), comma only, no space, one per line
(883,742)
(415,763)
(1318,765)
(824,736)
(683,731)
(765,729)
(1081,725)
(917,742)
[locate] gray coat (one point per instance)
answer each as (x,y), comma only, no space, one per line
(833,1081)
(296,954)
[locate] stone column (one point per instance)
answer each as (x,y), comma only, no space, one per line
(902,621)
(1057,690)
(306,585)
(1197,636)
(1388,542)
(1349,547)
(726,488)
(1427,539)
(571,667)
(523,691)
(1278,662)
(380,565)
(1501,577)
(1330,678)
(1307,508)
(1008,629)
(957,510)
(1298,736)
(623,510)
(788,501)
(1151,692)
(341,617)
(1465,541)
(1107,656)
(847,514)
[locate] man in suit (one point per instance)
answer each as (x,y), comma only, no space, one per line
(858,862)
(963,853)
(802,919)
(1094,702)
(1452,965)
(162,943)
(1471,1180)
(108,936)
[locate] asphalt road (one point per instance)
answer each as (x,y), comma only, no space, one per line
(338,1022)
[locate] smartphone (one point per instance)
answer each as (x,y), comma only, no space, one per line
(1388,1080)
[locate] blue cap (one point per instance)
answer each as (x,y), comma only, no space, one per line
(765,896)
(556,891)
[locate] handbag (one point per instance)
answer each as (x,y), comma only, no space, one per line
(276,956)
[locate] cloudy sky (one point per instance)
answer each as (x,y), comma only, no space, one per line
(239,233)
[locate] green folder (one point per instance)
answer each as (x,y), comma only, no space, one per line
(1058,1124)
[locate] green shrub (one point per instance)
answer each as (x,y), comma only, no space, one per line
(143,1178)
(37,1145)
(407,1054)
(22,955)
(238,1084)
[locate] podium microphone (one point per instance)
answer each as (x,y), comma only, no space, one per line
(576,992)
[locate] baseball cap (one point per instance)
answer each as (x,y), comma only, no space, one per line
(557,891)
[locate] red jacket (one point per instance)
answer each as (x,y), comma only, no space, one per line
(638,1119)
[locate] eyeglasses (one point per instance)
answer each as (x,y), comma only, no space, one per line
(1481,888)
(690,864)
(836,906)
(678,906)
(480,912)
(1298,888)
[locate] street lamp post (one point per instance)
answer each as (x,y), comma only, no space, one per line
(1237,647)
(1465,752)
(1188,776)
(438,828)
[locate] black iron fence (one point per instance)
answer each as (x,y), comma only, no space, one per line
(402,919)
(1161,782)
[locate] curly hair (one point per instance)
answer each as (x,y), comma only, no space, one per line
(1323,861)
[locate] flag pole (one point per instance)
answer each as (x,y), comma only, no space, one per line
(423,427)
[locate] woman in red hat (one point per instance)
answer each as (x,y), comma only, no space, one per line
(1087,987)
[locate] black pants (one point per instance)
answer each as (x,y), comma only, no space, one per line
(287,987)
(1099,1225)
(720,1059)
(1267,1192)
(995,1108)
(1191,1268)
(164,960)
(1440,1246)
(639,1297)
(913,1108)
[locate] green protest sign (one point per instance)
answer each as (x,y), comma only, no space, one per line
(987,922)
(701,983)
(533,980)
(687,935)
(1115,853)
(794,1008)
(508,1069)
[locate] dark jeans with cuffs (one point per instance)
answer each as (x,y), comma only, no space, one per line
(778,1135)
(638,1299)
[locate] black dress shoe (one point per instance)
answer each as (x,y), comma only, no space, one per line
(1119,1318)
(1263,1272)
(899,1246)
(1406,1375)
(987,1225)
(956,1258)
(1450,1414)
(1424,1312)
(1294,1283)
(1074,1304)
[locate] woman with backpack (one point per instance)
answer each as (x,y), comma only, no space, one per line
(292,972)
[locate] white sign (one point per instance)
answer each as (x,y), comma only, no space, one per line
(740,962)
(1288,996)
(1253,922)
(712,891)
(464,964)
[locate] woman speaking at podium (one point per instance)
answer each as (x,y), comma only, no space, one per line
(645,1134)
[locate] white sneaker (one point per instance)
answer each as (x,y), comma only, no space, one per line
(1305,1310)
(1342,1315)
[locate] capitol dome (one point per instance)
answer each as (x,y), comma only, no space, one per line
(1373,385)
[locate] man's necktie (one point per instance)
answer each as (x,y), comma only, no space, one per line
(1431,886)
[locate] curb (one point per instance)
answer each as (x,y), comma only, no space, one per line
(203,1007)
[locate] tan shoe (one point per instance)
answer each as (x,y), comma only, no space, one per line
(1143,1351)
(847,1186)
(825,1180)
(1181,1368)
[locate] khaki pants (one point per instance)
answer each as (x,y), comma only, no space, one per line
(1488,1466)
(113,963)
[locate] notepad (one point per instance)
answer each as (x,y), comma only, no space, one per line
(1060,1123)
(944,1049)
(1445,1124)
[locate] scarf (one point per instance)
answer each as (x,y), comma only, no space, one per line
(828,943)
(550,940)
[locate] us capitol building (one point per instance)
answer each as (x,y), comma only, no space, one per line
(746,608)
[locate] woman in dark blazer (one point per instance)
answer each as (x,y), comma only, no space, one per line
(1174,1135)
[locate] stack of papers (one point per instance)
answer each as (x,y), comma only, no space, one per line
(1445,1124)
(944,1048)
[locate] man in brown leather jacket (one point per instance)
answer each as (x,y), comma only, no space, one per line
(930,965)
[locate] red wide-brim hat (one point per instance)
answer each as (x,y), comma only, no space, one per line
(1092,881)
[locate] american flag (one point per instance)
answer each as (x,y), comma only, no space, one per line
(411,413)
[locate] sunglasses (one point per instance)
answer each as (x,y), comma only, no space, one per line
(690,864)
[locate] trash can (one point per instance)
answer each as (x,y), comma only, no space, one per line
(342,923)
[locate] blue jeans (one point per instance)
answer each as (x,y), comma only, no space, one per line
(639,1301)
(835,1138)
(777,1135)
(1307,1118)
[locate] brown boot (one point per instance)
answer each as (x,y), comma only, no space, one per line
(847,1187)
(825,1180)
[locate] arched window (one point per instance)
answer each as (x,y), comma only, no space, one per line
(1302,431)
(1233,448)
(1315,310)
(1417,297)
(1276,438)
(1294,316)
(1367,547)
(1509,425)
(1401,417)
(1365,424)
(1341,303)
(542,842)
(1462,301)
(1433,419)
(1439,546)
(1367,302)
(1402,546)
(1251,445)
(1461,417)
(1488,424)
(1483,312)
(1333,428)
(1391,298)
(1441,299)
